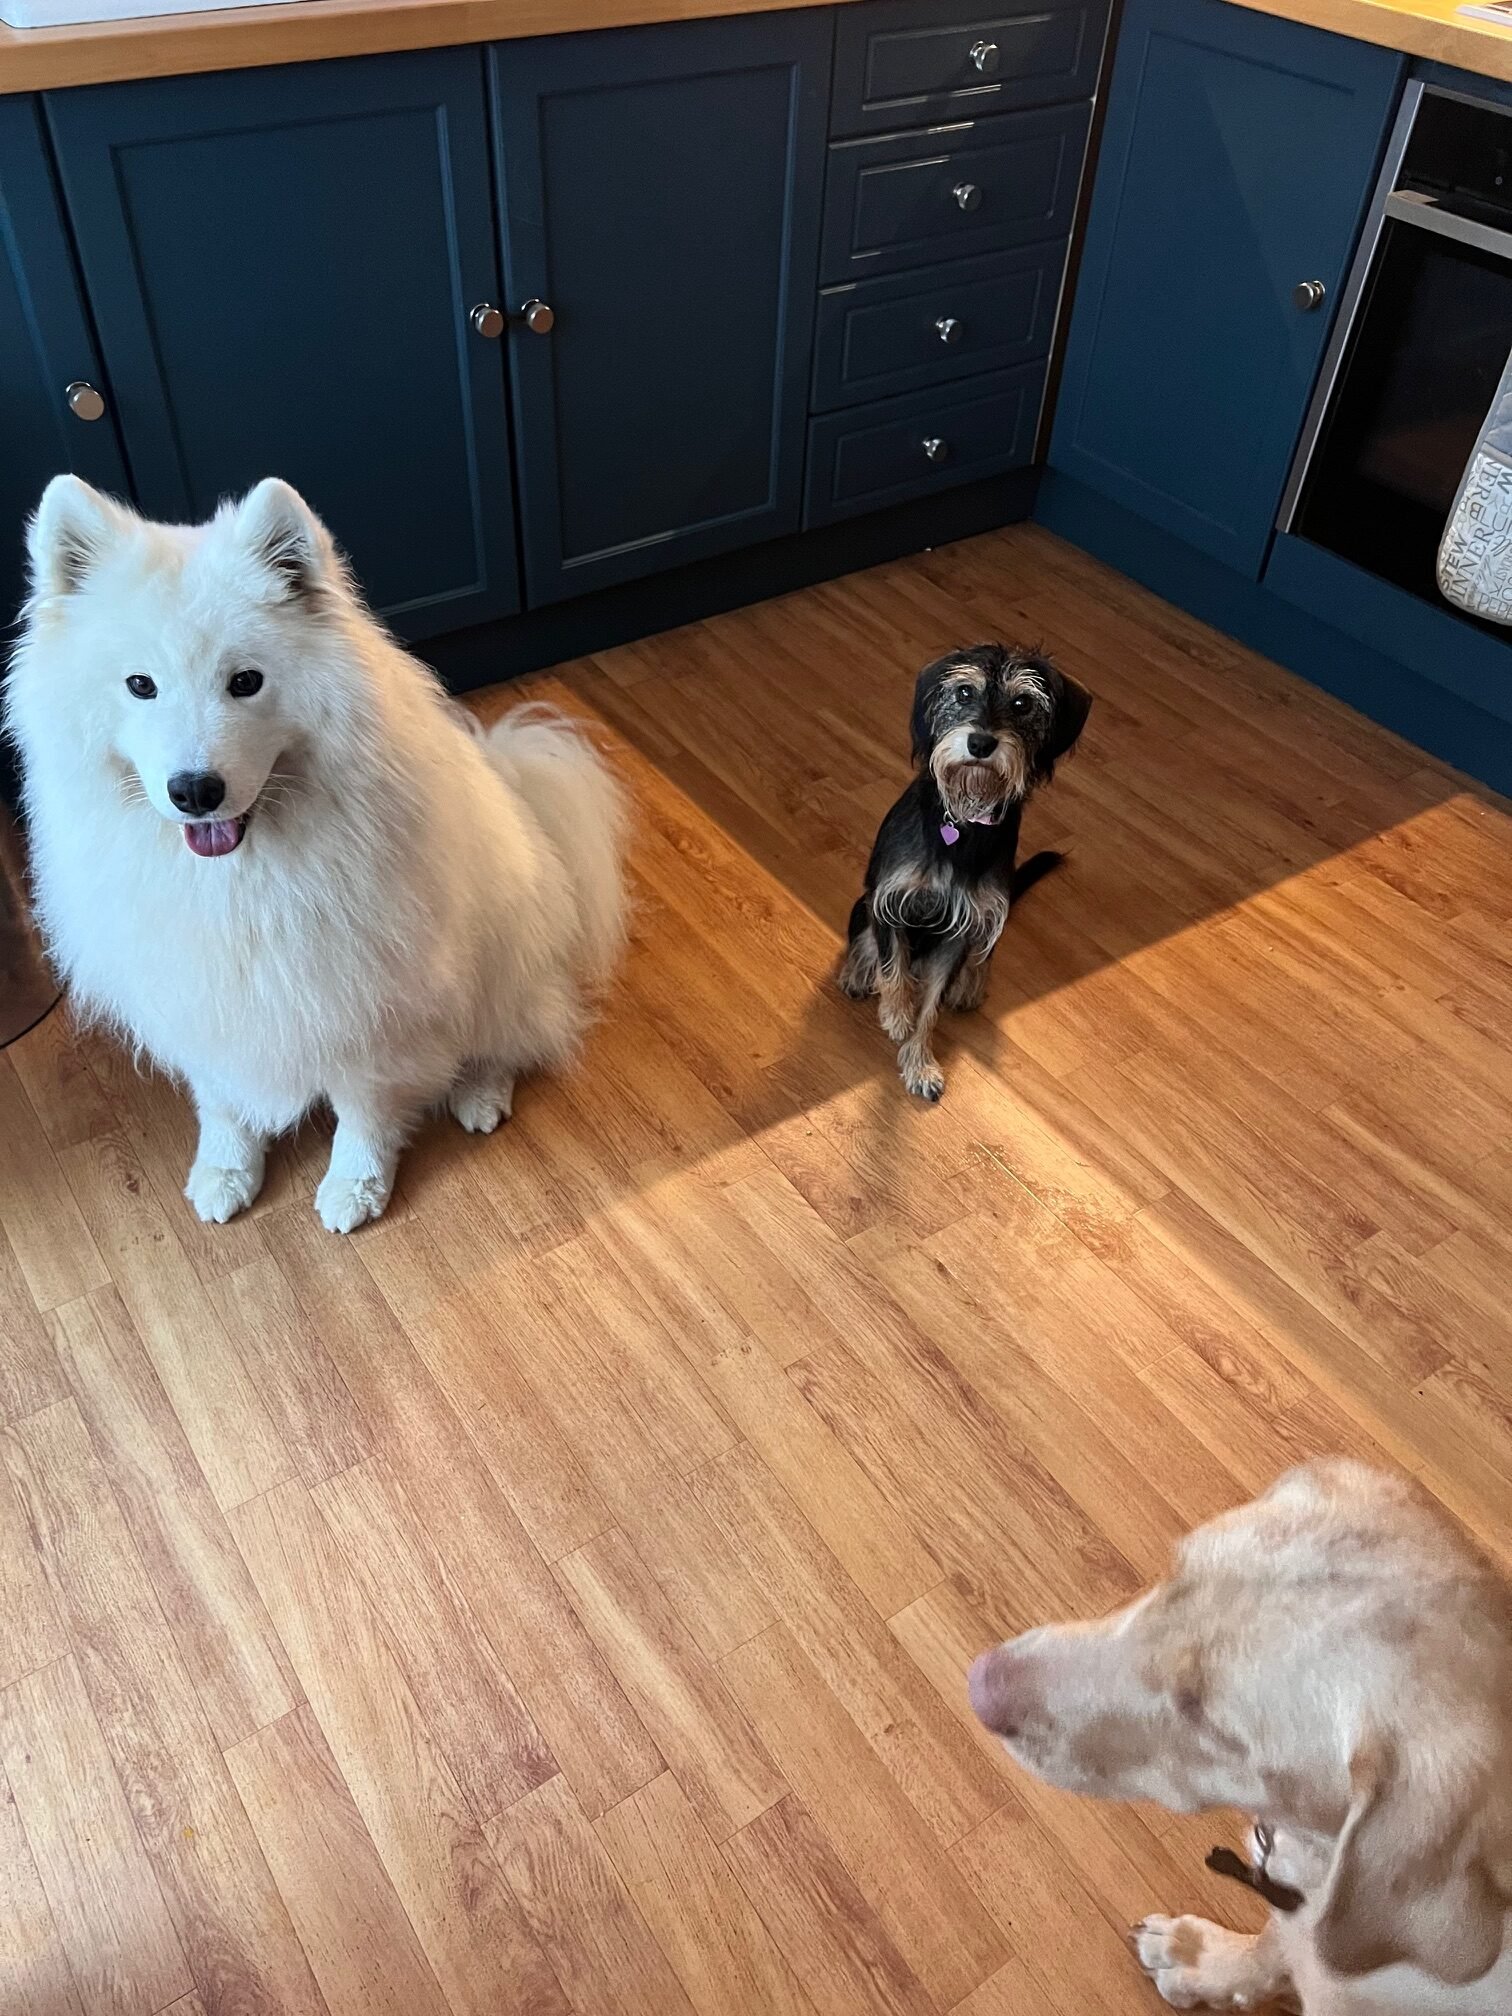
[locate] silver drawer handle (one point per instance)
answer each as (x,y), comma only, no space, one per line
(948,329)
(84,402)
(1308,294)
(539,317)
(967,196)
(488,321)
(936,449)
(985,57)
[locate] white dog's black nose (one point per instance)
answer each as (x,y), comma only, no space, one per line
(979,745)
(196,792)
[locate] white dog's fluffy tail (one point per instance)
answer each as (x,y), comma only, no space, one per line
(569,787)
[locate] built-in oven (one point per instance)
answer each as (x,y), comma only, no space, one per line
(1422,338)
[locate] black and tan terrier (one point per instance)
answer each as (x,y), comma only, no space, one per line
(989,725)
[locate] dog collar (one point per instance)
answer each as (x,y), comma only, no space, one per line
(1280,1896)
(950,832)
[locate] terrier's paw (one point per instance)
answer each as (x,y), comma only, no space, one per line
(219,1194)
(922,1076)
(857,976)
(967,989)
(342,1203)
(1196,1965)
(897,1018)
(480,1108)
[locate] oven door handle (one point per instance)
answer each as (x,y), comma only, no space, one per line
(1405,206)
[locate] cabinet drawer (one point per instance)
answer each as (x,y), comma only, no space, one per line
(980,186)
(899,63)
(907,331)
(874,455)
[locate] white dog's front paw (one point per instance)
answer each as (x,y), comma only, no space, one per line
(342,1203)
(218,1194)
(480,1106)
(1196,1965)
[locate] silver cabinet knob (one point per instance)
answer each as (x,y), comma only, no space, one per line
(967,196)
(985,57)
(1308,294)
(488,321)
(936,449)
(948,329)
(539,317)
(84,402)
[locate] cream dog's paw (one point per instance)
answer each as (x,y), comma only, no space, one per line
(1196,1965)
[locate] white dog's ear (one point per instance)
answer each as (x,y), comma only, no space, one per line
(69,531)
(1408,1885)
(279,532)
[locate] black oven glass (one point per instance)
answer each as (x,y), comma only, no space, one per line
(1430,342)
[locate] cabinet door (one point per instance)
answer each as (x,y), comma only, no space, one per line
(1237,161)
(281,264)
(44,348)
(660,189)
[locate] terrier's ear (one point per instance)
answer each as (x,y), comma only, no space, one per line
(1073,703)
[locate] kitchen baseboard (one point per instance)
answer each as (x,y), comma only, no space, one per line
(542,637)
(1423,712)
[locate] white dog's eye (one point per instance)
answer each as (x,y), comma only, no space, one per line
(242,685)
(965,694)
(1021,704)
(140,687)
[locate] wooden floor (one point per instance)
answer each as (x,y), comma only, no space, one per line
(558,1596)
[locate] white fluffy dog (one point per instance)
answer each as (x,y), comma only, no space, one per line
(269,852)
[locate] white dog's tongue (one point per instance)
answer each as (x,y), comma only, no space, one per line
(215,836)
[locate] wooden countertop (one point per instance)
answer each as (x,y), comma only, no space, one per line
(42,59)
(1428,28)
(244,38)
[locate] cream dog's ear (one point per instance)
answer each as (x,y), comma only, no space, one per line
(1408,1883)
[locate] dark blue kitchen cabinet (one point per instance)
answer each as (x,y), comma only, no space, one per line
(1236,164)
(45,350)
(282,266)
(660,191)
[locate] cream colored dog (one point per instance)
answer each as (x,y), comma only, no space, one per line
(1336,1658)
